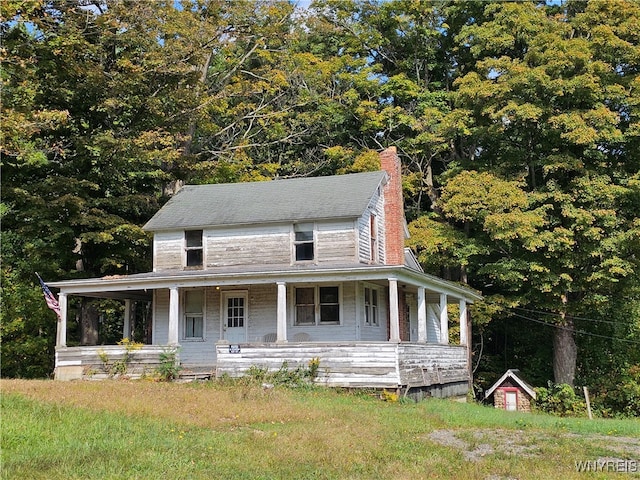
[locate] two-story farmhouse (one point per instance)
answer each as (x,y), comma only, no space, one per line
(257,274)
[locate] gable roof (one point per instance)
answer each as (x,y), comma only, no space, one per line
(514,375)
(299,199)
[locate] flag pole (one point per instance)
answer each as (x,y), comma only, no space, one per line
(50,298)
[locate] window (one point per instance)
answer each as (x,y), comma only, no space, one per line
(193,314)
(193,247)
(329,305)
(235,312)
(373,238)
(371,306)
(305,306)
(317,306)
(303,242)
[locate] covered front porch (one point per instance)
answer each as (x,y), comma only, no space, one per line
(383,327)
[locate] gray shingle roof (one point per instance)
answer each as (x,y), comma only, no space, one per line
(301,199)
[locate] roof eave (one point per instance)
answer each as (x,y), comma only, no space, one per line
(129,282)
(513,375)
(246,224)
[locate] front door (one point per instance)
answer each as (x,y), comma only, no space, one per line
(234,316)
(510,400)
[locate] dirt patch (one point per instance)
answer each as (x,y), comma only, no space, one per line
(478,443)
(475,444)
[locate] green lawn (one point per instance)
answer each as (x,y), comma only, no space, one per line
(125,430)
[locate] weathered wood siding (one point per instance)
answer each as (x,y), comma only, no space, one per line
(336,243)
(373,333)
(160,332)
(433,323)
(412,304)
(262,311)
(249,245)
(361,364)
(193,352)
(423,365)
(96,362)
(341,364)
(252,245)
(376,206)
(167,250)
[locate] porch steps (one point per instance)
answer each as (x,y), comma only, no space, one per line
(188,375)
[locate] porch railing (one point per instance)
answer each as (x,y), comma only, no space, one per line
(354,364)
(108,361)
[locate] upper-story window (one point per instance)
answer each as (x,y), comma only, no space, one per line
(193,248)
(373,238)
(303,242)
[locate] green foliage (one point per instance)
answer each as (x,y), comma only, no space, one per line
(618,394)
(120,367)
(285,376)
(559,399)
(544,132)
(27,326)
(169,368)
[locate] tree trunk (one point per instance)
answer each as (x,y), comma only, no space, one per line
(565,353)
(88,323)
(432,191)
(464,278)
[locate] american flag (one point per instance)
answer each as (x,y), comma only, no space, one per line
(50,298)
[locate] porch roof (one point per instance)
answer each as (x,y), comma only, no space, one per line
(140,285)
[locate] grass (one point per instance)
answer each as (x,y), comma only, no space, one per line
(140,430)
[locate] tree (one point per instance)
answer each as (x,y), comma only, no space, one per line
(88,137)
(544,105)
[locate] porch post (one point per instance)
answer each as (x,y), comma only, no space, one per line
(463,322)
(61,340)
(126,328)
(422,316)
(394,317)
(174,313)
(281,327)
(444,319)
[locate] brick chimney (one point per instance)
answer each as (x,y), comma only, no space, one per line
(393,208)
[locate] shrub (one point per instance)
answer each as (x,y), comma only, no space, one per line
(559,399)
(388,396)
(285,376)
(119,367)
(169,368)
(618,394)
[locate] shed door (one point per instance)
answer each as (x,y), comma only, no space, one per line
(234,315)
(511,401)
